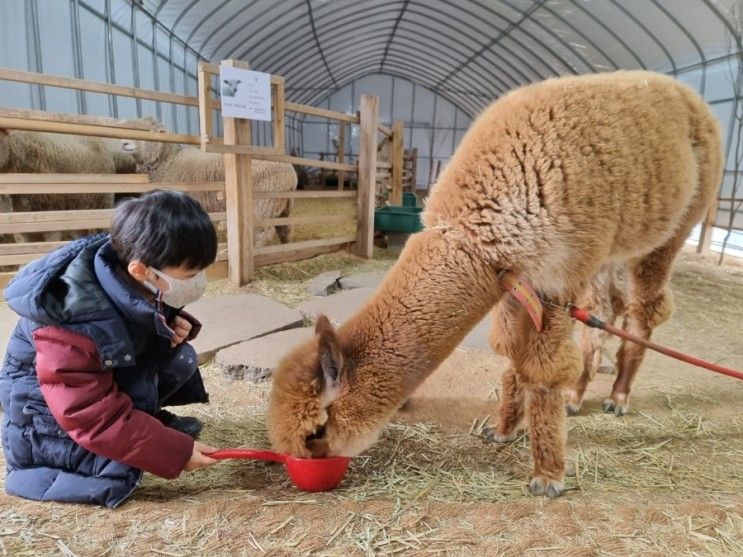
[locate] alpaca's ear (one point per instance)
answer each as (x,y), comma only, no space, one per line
(330,353)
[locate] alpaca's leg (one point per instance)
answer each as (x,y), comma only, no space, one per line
(505,341)
(548,363)
(649,304)
(597,300)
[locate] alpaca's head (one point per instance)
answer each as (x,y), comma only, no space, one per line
(324,403)
(148,154)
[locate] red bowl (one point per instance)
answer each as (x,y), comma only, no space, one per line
(307,474)
(317,474)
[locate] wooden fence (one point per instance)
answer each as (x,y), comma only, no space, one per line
(239,251)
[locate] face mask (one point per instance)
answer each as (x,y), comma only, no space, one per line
(180,292)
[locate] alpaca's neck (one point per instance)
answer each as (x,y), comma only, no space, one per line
(430,300)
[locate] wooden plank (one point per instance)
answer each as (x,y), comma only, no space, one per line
(253,151)
(278,122)
(46,216)
(367,175)
(96,131)
(268,154)
(29,247)
(238,196)
(319,219)
(296,255)
(384,165)
(45,223)
(95,87)
(322,112)
(206,122)
(36,189)
(73,178)
(43,116)
(305,194)
(413,168)
(396,156)
(308,244)
(385,130)
(341,154)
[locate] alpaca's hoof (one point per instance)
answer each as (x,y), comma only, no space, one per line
(617,407)
(545,486)
(572,408)
(492,436)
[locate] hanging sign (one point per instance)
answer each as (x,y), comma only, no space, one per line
(245,93)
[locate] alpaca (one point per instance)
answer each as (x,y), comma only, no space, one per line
(553,180)
(169,163)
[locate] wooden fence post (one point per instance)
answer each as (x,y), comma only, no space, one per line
(341,155)
(708,226)
(397,160)
(238,187)
(369,120)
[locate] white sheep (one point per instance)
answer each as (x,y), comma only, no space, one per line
(169,163)
(37,152)
(229,87)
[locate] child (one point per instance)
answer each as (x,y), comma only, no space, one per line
(100,348)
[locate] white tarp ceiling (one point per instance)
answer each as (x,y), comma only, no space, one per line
(469,51)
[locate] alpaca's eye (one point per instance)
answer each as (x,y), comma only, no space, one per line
(319,434)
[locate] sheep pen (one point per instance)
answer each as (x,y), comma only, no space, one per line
(432,485)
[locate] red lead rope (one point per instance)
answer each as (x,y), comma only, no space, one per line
(584,317)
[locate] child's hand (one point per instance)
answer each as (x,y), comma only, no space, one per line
(182,329)
(198,458)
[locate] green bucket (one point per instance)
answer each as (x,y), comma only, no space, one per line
(398,219)
(409,200)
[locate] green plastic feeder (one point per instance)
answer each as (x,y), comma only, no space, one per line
(409,200)
(398,219)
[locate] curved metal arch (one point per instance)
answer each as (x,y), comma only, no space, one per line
(481,76)
(182,14)
(686,32)
(445,20)
(240,29)
(502,33)
(607,29)
(726,22)
(317,41)
(642,26)
(309,70)
(366,66)
(429,64)
(407,79)
(542,44)
(400,15)
(584,37)
(350,52)
(206,18)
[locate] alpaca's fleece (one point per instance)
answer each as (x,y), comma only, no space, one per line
(35,152)
(169,163)
(554,180)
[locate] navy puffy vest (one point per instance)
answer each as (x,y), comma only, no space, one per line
(77,287)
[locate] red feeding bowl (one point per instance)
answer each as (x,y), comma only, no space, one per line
(307,474)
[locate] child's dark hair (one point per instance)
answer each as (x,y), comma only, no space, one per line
(163,228)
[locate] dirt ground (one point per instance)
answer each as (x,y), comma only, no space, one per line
(666,479)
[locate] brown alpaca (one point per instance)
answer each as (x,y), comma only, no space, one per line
(553,180)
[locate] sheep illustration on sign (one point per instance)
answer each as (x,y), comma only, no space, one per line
(245,93)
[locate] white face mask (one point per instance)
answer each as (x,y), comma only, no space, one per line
(180,292)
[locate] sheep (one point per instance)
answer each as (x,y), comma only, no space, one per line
(553,180)
(38,152)
(229,87)
(169,163)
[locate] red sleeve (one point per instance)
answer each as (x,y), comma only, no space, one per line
(87,404)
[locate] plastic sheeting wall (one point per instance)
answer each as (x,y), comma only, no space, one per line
(433,124)
(111,41)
